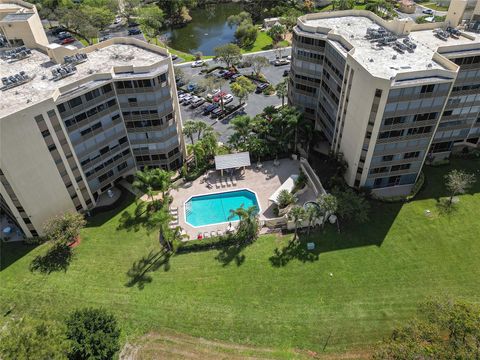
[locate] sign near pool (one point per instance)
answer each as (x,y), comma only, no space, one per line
(215,208)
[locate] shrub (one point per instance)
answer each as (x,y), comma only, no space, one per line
(300,182)
(269,90)
(285,198)
(94,334)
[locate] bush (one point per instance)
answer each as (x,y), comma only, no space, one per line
(285,198)
(94,334)
(206,244)
(440,163)
(300,182)
(269,90)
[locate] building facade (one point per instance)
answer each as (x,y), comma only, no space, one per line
(73,122)
(389,95)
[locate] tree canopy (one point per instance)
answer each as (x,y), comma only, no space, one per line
(64,228)
(228,53)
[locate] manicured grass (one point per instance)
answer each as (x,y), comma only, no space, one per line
(263,42)
(271,293)
(435,6)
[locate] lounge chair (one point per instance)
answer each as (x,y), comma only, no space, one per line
(227,181)
(234,180)
(217,184)
(222,182)
(213,233)
(219,232)
(206,235)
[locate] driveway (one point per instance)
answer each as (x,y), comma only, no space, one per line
(254,104)
(419,13)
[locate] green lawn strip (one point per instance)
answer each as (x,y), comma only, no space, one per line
(262,43)
(435,6)
(287,299)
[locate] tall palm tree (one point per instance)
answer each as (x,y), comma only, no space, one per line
(328,206)
(198,153)
(296,214)
(242,128)
(144,182)
(202,128)
(248,222)
(312,213)
(190,128)
(282,90)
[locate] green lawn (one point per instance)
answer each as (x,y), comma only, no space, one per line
(263,42)
(435,6)
(270,294)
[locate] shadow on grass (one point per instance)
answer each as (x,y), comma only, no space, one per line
(57,258)
(10,252)
(231,253)
(139,273)
(100,217)
(140,218)
(295,249)
(445,207)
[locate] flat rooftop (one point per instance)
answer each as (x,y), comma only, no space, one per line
(42,86)
(385,62)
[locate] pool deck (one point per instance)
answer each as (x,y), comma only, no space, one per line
(262,181)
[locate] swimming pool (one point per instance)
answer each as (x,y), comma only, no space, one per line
(212,209)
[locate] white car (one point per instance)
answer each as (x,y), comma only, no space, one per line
(227,98)
(118,20)
(198,63)
(214,92)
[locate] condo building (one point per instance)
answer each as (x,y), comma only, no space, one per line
(389,95)
(75,121)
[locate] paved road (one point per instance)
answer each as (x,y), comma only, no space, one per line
(255,103)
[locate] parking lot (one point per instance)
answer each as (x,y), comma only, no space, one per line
(254,104)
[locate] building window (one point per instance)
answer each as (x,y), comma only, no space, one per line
(400,167)
(427,89)
(75,102)
(387,158)
(411,155)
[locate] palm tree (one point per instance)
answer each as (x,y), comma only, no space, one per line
(242,129)
(190,128)
(202,128)
(312,214)
(247,229)
(198,153)
(282,90)
(144,182)
(171,238)
(209,143)
(296,214)
(285,198)
(328,206)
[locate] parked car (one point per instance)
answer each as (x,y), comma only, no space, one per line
(281,62)
(194,103)
(212,95)
(217,112)
(105,37)
(187,99)
(183,97)
(63,35)
(180,92)
(133,24)
(117,20)
(220,73)
(209,108)
(191,87)
(57,30)
(180,82)
(261,87)
(235,77)
(227,98)
(174,57)
(68,40)
(228,74)
(198,63)
(428,11)
(134,31)
(217,97)
(286,72)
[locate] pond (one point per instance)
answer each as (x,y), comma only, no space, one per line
(207,30)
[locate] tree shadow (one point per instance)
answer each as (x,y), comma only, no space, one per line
(295,249)
(57,258)
(99,216)
(10,252)
(231,253)
(141,218)
(139,273)
(445,207)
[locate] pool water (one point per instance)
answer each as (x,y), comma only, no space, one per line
(215,208)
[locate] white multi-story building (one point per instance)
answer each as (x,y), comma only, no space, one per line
(389,95)
(75,121)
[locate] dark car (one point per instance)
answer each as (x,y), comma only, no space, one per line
(57,30)
(286,72)
(209,108)
(261,87)
(235,76)
(63,35)
(228,74)
(133,24)
(174,57)
(217,112)
(134,32)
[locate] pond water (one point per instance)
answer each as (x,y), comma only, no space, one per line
(207,30)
